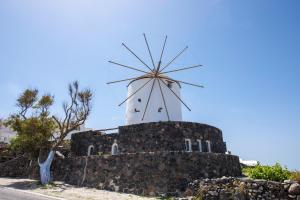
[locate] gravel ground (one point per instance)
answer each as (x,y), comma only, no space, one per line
(65,191)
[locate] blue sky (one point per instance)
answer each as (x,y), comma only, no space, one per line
(250,51)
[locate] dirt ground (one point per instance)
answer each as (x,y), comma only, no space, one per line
(65,191)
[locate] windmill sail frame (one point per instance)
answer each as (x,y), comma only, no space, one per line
(157,74)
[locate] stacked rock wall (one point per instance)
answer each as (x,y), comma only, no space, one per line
(242,188)
(139,173)
(17,167)
(101,142)
(145,173)
(150,137)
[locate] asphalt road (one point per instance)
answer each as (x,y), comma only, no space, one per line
(12,194)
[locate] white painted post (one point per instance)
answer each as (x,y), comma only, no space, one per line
(208,146)
(200,145)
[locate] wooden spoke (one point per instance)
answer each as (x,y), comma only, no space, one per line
(176,96)
(135,92)
(170,79)
(185,68)
(192,84)
(127,79)
(149,51)
(162,52)
(136,56)
(149,98)
(128,67)
(174,59)
(162,94)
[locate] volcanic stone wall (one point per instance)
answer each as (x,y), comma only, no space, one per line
(17,167)
(101,142)
(226,188)
(150,137)
(145,173)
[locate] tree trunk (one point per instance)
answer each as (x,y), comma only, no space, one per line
(45,168)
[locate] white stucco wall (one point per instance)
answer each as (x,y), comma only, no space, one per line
(156,102)
(6,134)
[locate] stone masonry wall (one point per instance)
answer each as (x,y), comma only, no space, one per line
(225,188)
(101,142)
(228,188)
(17,167)
(145,173)
(150,137)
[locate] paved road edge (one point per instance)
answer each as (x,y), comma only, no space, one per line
(35,193)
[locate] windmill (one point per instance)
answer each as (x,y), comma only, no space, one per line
(153,96)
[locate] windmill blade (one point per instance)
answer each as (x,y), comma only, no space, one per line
(170,79)
(128,67)
(149,51)
(176,96)
(185,68)
(162,94)
(162,52)
(174,59)
(192,84)
(135,92)
(127,79)
(136,56)
(148,98)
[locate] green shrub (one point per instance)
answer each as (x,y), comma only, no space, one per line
(272,173)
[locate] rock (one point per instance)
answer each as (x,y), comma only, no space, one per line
(213,193)
(292,196)
(286,186)
(294,189)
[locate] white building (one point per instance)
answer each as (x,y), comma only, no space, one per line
(82,128)
(249,163)
(156,111)
(6,134)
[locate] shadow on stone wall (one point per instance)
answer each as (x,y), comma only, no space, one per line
(139,173)
(145,173)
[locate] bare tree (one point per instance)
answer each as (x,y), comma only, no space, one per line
(76,112)
(36,126)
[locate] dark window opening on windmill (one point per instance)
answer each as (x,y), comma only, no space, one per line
(159,109)
(139,100)
(136,110)
(169,84)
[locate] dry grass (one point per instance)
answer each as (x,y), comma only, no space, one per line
(296,176)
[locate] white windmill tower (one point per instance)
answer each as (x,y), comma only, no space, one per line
(153,96)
